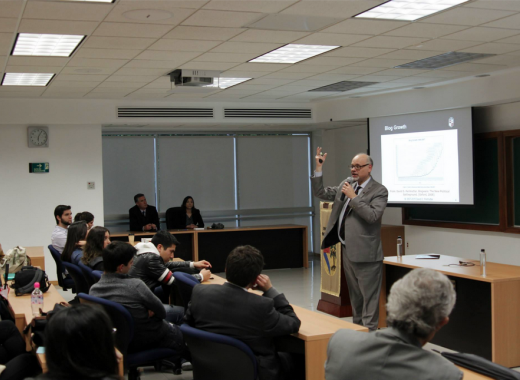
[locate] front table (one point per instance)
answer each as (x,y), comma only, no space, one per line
(485,320)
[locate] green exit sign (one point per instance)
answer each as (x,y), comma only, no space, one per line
(38,167)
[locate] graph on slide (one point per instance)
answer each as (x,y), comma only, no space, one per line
(420,159)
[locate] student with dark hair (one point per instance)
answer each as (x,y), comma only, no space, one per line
(63,218)
(231,310)
(76,235)
(79,345)
(97,239)
(152,330)
(153,265)
(143,217)
(16,362)
(188,217)
(87,217)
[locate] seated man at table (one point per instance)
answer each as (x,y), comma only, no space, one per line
(152,328)
(153,265)
(63,217)
(143,217)
(418,306)
(231,310)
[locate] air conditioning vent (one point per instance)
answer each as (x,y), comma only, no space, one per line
(263,113)
(164,112)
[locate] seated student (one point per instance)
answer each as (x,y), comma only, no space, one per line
(97,239)
(87,217)
(188,217)
(418,306)
(17,364)
(231,310)
(142,216)
(152,330)
(76,235)
(63,218)
(153,265)
(79,344)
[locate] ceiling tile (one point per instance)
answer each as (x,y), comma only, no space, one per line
(426,30)
(139,71)
(492,48)
(117,42)
(308,69)
(331,61)
(203,33)
(443,74)
(377,78)
(511,22)
(412,55)
(92,70)
(11,9)
(62,10)
(57,26)
(106,95)
(389,42)
(88,62)
(270,67)
(225,57)
(183,45)
(444,45)
(79,78)
(132,78)
(357,52)
(120,85)
(507,60)
(74,84)
(515,53)
(32,69)
(222,19)
(37,61)
(333,77)
(381,62)
(465,16)
(286,75)
(495,4)
(243,74)
(245,47)
(351,70)
(6,43)
(510,40)
(106,53)
(474,67)
(330,39)
(482,34)
(271,36)
(270,81)
(156,55)
(401,72)
(170,64)
(360,26)
(119,29)
(208,65)
(249,6)
(111,90)
(8,25)
(413,80)
(334,9)
(172,14)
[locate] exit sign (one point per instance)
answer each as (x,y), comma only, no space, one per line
(38,167)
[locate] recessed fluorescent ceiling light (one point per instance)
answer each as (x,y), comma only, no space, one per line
(227,82)
(26,79)
(54,45)
(443,60)
(293,53)
(409,10)
(343,86)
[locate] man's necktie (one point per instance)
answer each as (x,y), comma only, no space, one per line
(342,231)
(144,213)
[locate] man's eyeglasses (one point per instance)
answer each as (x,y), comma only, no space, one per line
(357,167)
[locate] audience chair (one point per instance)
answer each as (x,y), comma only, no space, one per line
(172,214)
(97,274)
(185,283)
(80,282)
(87,273)
(64,280)
(124,323)
(219,357)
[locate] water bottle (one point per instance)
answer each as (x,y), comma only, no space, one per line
(483,262)
(399,246)
(36,300)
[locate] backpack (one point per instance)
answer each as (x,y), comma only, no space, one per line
(16,258)
(24,280)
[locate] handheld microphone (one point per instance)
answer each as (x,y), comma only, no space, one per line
(349,180)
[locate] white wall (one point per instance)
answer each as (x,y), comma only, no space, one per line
(28,200)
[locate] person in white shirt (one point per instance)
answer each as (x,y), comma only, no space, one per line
(63,216)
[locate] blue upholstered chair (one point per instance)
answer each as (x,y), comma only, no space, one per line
(87,273)
(124,323)
(64,280)
(185,283)
(80,282)
(219,357)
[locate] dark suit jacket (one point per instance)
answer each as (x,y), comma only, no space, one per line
(176,218)
(230,310)
(137,220)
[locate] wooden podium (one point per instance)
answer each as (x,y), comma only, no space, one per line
(340,306)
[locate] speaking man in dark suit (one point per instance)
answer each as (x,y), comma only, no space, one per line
(232,310)
(355,221)
(142,216)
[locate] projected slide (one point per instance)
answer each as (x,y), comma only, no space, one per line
(421,166)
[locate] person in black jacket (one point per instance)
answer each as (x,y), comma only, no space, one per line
(142,216)
(187,216)
(230,309)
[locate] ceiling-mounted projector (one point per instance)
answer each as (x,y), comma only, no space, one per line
(193,78)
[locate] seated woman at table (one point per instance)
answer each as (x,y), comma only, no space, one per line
(97,239)
(79,344)
(76,235)
(188,217)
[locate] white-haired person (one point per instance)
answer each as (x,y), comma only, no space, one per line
(418,306)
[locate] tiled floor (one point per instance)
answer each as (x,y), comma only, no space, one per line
(301,287)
